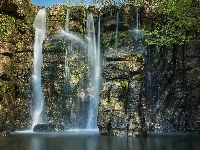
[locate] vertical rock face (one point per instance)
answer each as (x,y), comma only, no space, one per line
(15,64)
(6,52)
(22,73)
(52,83)
(122,104)
(172,89)
(192,62)
(64,83)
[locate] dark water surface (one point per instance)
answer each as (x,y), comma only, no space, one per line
(91,140)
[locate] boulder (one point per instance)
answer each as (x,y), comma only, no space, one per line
(48,127)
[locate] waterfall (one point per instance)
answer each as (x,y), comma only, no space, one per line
(40,29)
(117,30)
(66,53)
(71,36)
(137,18)
(77,117)
(98,35)
(137,32)
(89,119)
(67,20)
(94,64)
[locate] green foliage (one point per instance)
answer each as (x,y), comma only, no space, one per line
(123,38)
(61,15)
(6,26)
(108,39)
(71,3)
(78,16)
(175,22)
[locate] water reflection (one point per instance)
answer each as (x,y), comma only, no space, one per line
(37,143)
(91,140)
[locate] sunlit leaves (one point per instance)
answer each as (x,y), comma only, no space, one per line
(176,22)
(6,26)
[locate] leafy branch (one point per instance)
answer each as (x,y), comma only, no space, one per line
(176,22)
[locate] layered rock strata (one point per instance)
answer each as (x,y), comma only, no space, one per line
(121,109)
(172,89)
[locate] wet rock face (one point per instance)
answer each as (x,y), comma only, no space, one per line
(14,107)
(52,79)
(172,90)
(121,69)
(15,64)
(6,53)
(122,103)
(126,66)
(192,109)
(8,5)
(48,128)
(65,85)
(6,127)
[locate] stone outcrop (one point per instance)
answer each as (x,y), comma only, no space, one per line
(122,103)
(6,53)
(193,86)
(172,89)
(6,115)
(48,128)
(16,62)
(53,83)
(165,89)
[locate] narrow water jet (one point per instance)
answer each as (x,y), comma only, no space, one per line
(40,29)
(67,20)
(137,18)
(94,64)
(137,32)
(99,35)
(71,36)
(117,30)
(66,53)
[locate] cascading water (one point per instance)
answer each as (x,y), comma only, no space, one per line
(71,36)
(137,31)
(67,20)
(138,36)
(94,64)
(137,18)
(66,53)
(117,30)
(80,120)
(74,41)
(66,33)
(40,29)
